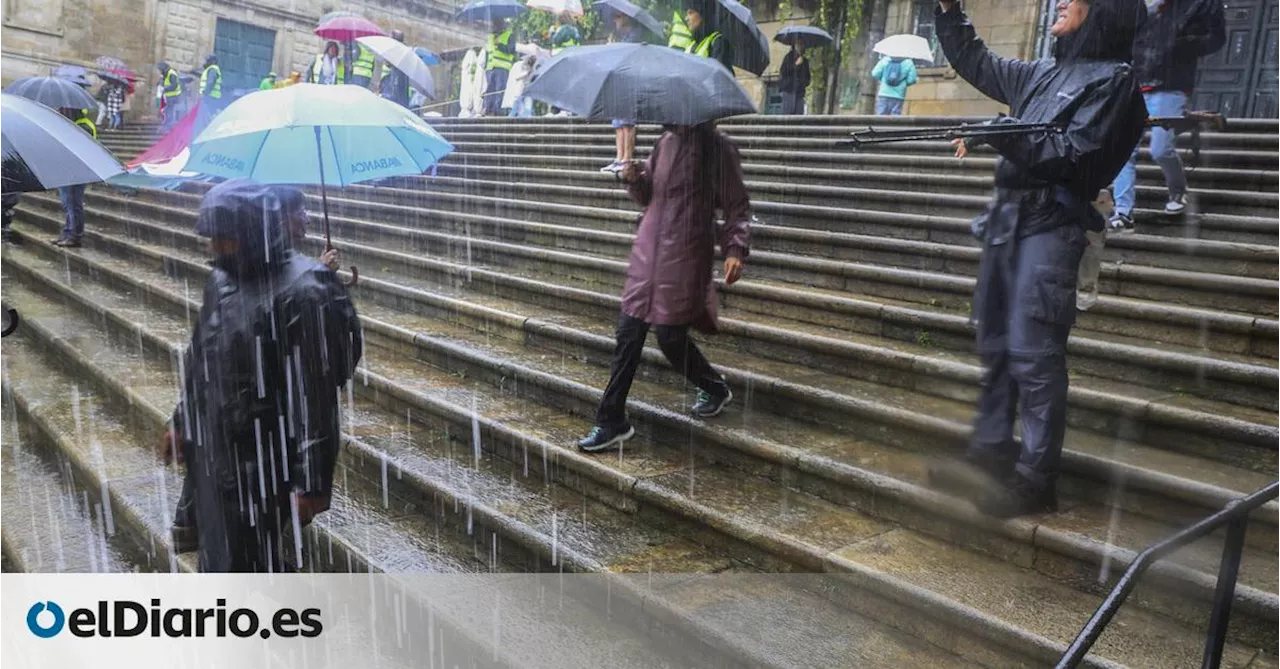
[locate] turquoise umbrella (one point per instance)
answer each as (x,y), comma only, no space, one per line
(316,135)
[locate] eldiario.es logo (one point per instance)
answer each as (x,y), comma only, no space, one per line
(124,618)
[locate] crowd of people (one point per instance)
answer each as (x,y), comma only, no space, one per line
(278,335)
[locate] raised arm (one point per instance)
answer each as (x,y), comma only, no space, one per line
(1001,79)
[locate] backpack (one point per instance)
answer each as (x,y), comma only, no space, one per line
(1206,20)
(894,73)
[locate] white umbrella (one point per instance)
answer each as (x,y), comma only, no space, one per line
(557,6)
(914,47)
(405,59)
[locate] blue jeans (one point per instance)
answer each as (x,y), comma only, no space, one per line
(73,204)
(1164,150)
(888,106)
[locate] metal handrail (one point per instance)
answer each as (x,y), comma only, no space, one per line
(1235,516)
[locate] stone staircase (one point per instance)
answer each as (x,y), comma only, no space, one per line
(489,291)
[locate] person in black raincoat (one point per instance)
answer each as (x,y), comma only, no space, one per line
(1033,234)
(258,420)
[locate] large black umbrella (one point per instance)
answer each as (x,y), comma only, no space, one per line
(486,11)
(641,82)
(750,46)
(808,36)
(54,92)
(40,149)
(608,7)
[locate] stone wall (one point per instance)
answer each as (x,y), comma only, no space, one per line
(38,35)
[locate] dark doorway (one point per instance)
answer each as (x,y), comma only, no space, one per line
(245,53)
(1240,80)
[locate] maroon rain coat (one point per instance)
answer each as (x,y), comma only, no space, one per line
(692,172)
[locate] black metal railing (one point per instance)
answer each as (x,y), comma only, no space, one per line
(1235,517)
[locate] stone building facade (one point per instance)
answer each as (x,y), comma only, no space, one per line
(38,35)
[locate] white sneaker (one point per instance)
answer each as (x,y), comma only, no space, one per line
(1176,205)
(612,168)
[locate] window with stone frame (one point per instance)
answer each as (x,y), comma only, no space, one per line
(922,25)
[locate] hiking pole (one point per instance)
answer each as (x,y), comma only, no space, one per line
(873,136)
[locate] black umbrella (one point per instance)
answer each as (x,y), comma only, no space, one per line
(646,20)
(642,82)
(487,10)
(54,92)
(750,46)
(40,149)
(808,36)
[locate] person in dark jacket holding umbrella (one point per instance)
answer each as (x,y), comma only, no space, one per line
(258,420)
(794,79)
(394,85)
(691,172)
(1033,235)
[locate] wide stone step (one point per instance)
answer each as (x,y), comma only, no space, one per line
(493,511)
(526,377)
(820,288)
(1199,290)
(878,360)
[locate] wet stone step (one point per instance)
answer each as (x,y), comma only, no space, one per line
(575,523)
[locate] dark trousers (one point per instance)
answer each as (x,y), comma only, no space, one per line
(360,80)
(493,94)
(73,206)
(792,102)
(185,514)
(675,344)
(1025,306)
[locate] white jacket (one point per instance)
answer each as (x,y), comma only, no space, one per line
(519,78)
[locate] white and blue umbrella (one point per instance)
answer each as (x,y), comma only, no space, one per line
(316,135)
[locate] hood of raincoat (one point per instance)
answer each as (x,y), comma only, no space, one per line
(1106,34)
(253,215)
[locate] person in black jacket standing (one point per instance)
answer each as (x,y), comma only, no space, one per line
(794,80)
(257,424)
(1033,235)
(1176,34)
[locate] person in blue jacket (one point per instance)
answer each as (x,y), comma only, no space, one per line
(894,75)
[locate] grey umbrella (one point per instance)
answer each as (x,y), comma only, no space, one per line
(608,7)
(40,149)
(54,92)
(73,73)
(486,11)
(405,59)
(650,84)
(808,36)
(750,46)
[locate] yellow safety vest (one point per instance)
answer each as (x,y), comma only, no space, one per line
(703,48)
(88,125)
(498,59)
(363,67)
(565,45)
(216,90)
(340,74)
(681,36)
(168,80)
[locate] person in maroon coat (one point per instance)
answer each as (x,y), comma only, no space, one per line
(691,172)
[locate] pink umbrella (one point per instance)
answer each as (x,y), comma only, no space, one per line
(348,28)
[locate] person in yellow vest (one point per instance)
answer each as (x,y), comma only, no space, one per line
(708,41)
(293,78)
(362,60)
(211,84)
(566,34)
(501,55)
(170,95)
(73,196)
(680,38)
(327,68)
